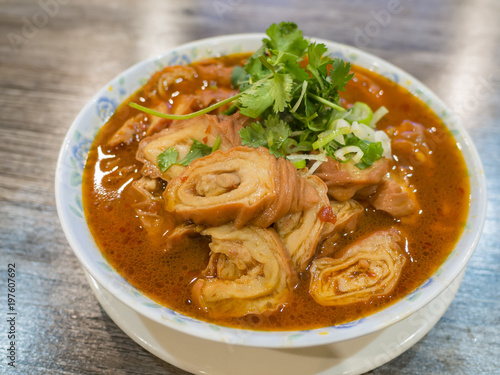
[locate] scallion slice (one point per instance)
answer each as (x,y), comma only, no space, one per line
(379,113)
(299,164)
(361,113)
(328,136)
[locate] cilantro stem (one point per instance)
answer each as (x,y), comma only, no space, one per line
(189,115)
(266,64)
(278,59)
(326,102)
(217,143)
(316,75)
(296,106)
(304,119)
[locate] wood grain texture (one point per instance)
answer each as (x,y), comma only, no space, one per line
(49,72)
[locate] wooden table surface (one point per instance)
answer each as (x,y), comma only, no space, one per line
(55,54)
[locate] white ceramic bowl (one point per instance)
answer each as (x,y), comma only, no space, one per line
(72,159)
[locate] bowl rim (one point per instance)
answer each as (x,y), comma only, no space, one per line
(280,339)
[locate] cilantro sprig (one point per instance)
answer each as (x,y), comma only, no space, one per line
(274,79)
(291,87)
(288,75)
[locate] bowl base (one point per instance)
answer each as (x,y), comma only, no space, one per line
(354,356)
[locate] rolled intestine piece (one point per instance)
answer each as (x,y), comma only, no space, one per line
(147,205)
(395,196)
(345,180)
(244,185)
(369,267)
(249,272)
(347,213)
(180,135)
(301,231)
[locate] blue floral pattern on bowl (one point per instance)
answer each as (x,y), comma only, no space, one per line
(69,203)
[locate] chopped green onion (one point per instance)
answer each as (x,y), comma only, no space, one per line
(361,113)
(301,159)
(379,113)
(315,166)
(327,138)
(299,164)
(363,132)
(295,157)
(289,145)
(342,152)
(340,124)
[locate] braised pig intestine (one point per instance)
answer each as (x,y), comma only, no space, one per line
(395,197)
(148,205)
(347,216)
(140,126)
(301,231)
(344,180)
(369,267)
(180,134)
(244,185)
(172,75)
(410,145)
(249,273)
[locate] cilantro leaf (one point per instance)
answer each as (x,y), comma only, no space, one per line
(253,135)
(290,63)
(273,135)
(238,76)
(279,129)
(275,92)
(254,68)
(286,37)
(167,158)
(339,73)
(197,150)
(315,53)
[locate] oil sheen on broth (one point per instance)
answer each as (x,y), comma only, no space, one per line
(167,275)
